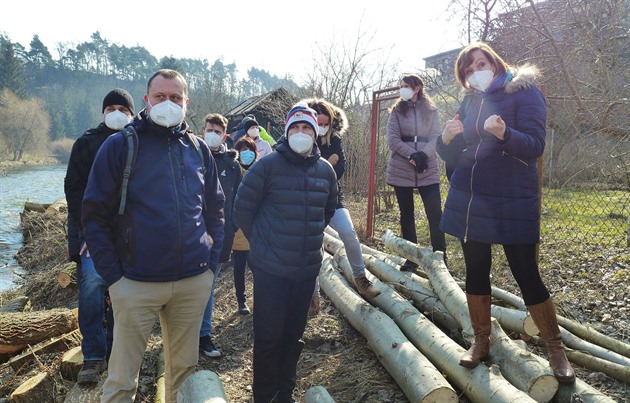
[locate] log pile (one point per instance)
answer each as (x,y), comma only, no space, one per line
(429,308)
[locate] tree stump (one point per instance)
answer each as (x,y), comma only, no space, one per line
(67,275)
(71,363)
(37,389)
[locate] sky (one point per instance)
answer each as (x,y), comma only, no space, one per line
(278,36)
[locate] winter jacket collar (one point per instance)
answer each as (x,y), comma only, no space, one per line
(516,79)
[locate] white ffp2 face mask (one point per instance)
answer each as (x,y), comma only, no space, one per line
(406,93)
(167,114)
(116,120)
(301,143)
(253,132)
(213,139)
(480,80)
(322,130)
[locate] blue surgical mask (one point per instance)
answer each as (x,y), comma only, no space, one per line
(247,157)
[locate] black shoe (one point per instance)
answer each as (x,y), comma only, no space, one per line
(243,309)
(408,266)
(91,371)
(207,347)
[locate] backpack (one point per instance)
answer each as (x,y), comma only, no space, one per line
(131,138)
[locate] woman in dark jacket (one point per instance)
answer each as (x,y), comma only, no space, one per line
(333,123)
(493,143)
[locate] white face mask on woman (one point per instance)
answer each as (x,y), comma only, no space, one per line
(167,114)
(116,120)
(301,143)
(253,132)
(406,93)
(322,130)
(480,80)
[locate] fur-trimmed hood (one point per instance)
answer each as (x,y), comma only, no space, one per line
(339,121)
(518,78)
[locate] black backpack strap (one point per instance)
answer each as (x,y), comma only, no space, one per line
(195,142)
(131,139)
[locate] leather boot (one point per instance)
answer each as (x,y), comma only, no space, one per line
(544,315)
(365,287)
(479,309)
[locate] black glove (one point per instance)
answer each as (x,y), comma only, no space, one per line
(420,159)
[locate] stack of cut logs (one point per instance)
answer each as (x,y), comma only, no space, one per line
(417,327)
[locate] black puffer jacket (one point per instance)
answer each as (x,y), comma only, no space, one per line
(283,204)
(334,146)
(229,171)
(82,156)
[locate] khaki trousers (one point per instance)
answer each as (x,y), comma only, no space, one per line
(179,306)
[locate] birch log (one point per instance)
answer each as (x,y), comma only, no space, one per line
(525,371)
(160,386)
(580,392)
(480,384)
(202,387)
(614,370)
(420,290)
(414,373)
(317,394)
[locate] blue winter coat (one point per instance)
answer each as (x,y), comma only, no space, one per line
(493,196)
(283,204)
(172,227)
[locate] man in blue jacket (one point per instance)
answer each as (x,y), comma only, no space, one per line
(283,204)
(159,255)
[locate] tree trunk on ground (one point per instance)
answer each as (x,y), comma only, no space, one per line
(416,376)
(37,389)
(582,345)
(18,304)
(67,275)
(200,387)
(71,363)
(90,393)
(19,329)
(317,394)
(36,207)
(524,370)
(614,370)
(479,384)
(581,392)
(160,387)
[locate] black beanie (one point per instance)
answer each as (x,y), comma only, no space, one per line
(248,122)
(118,96)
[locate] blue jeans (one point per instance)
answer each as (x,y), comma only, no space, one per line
(206,322)
(92,311)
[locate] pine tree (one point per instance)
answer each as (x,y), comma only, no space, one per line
(11,70)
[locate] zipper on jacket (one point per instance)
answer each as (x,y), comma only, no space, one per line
(415,143)
(505,153)
(472,170)
(179,219)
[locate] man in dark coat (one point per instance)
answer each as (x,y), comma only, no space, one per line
(283,204)
(117,112)
(229,171)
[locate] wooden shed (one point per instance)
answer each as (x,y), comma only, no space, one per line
(270,110)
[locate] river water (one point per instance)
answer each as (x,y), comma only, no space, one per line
(40,184)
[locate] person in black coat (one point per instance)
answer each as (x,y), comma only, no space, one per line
(283,204)
(229,171)
(117,111)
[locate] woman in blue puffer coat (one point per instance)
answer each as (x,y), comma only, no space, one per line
(491,147)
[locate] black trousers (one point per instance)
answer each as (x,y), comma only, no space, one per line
(240,261)
(432,207)
(280,315)
(522,261)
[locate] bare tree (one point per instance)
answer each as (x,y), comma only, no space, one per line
(24,126)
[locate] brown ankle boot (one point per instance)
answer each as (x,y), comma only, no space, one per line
(544,315)
(479,309)
(365,287)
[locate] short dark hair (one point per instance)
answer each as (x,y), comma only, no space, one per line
(217,119)
(170,74)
